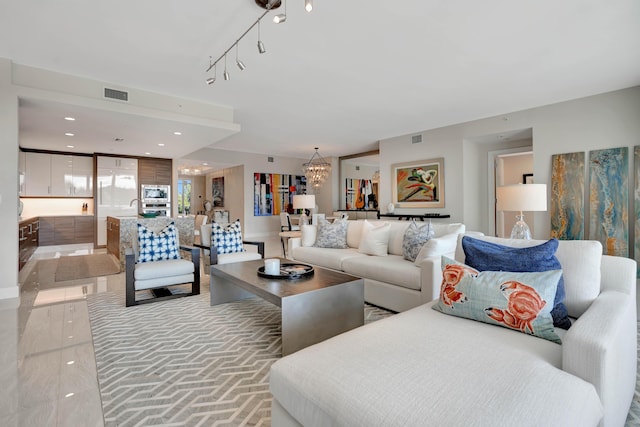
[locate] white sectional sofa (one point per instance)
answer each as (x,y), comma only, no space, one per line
(390,281)
(426,368)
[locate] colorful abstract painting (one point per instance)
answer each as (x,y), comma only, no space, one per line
(358,192)
(609,199)
(636,202)
(217,189)
(273,193)
(418,184)
(567,196)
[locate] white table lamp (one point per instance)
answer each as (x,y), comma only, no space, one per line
(519,198)
(304,201)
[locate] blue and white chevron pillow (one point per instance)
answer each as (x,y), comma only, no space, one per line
(157,246)
(227,239)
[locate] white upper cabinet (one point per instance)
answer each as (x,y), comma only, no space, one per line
(58,175)
(38,174)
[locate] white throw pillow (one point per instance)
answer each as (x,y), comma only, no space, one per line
(437,246)
(375,239)
(308,235)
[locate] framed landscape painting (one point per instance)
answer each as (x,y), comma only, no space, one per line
(418,184)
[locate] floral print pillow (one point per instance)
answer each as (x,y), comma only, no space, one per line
(331,235)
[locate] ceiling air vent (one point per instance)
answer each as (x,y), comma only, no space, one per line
(116,94)
(416,139)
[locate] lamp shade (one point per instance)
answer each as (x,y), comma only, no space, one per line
(304,201)
(522,197)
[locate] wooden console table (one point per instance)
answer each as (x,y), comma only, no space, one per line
(408,217)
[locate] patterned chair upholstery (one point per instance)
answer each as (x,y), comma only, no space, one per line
(215,255)
(143,271)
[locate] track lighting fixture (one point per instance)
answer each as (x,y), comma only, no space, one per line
(239,63)
(225,74)
(261,48)
(268,5)
(278,19)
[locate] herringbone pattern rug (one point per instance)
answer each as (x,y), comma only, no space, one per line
(184,363)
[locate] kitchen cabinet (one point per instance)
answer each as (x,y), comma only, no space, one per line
(28,240)
(65,230)
(113,236)
(38,174)
(155,171)
(58,175)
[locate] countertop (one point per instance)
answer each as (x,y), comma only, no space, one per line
(22,219)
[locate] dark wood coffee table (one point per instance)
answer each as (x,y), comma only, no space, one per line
(314,307)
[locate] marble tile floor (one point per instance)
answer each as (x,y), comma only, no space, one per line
(47,363)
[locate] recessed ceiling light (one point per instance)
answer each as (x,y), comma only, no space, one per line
(71,362)
(69,134)
(161,145)
(70,118)
(205,164)
(147,153)
(177,133)
(68,394)
(71,146)
(119,139)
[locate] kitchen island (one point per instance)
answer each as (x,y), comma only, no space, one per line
(122,231)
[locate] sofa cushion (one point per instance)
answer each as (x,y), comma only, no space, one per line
(375,238)
(154,246)
(484,255)
(331,235)
(520,301)
(354,233)
(227,239)
(309,233)
(423,368)
(415,236)
(397,236)
(325,257)
(441,229)
(437,246)
(580,260)
(391,269)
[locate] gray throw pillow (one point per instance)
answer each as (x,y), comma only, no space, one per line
(331,235)
(414,238)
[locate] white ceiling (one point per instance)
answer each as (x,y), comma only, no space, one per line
(340,78)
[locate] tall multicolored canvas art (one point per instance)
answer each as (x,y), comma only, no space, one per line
(567,196)
(609,199)
(273,193)
(636,202)
(358,192)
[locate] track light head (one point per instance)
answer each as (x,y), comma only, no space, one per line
(226,75)
(211,80)
(278,19)
(240,64)
(261,47)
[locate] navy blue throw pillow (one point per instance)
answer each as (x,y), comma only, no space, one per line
(489,256)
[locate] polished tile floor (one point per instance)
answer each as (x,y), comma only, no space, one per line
(47,364)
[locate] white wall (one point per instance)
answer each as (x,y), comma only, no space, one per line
(8,183)
(601,121)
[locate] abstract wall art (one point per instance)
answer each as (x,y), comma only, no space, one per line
(273,193)
(609,199)
(636,203)
(217,190)
(358,192)
(418,184)
(567,196)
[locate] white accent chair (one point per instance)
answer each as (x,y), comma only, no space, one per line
(199,221)
(285,223)
(216,258)
(158,275)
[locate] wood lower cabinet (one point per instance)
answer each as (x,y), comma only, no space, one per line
(66,230)
(28,240)
(113,236)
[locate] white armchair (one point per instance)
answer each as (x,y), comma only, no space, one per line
(216,258)
(158,275)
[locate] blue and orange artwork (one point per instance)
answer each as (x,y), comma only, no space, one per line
(609,199)
(417,184)
(636,200)
(567,196)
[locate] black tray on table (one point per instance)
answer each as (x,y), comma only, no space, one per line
(288,270)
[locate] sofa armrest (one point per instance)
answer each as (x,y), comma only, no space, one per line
(293,242)
(431,277)
(601,348)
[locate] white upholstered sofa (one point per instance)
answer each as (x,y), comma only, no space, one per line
(426,368)
(390,281)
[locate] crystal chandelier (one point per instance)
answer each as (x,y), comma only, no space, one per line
(317,169)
